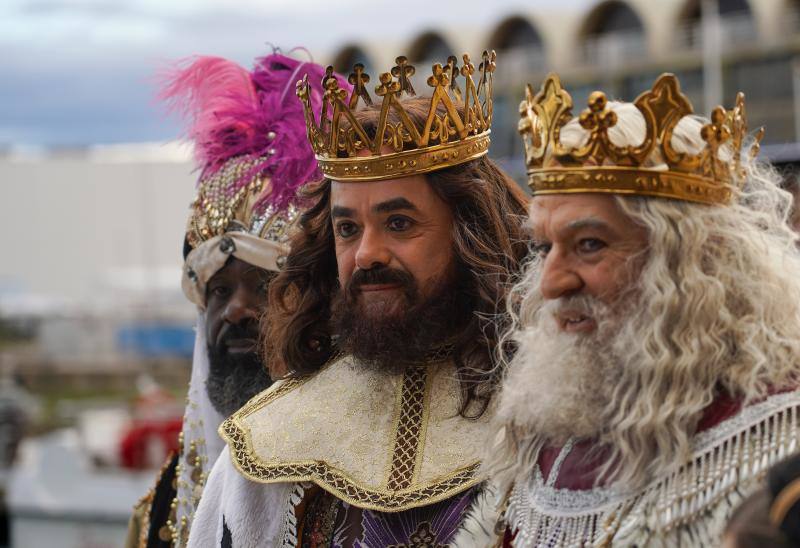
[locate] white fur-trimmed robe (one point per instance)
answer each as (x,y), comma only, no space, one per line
(254,512)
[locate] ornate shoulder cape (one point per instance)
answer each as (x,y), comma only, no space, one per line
(379,441)
(686,507)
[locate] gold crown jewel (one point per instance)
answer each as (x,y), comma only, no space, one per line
(222,205)
(600,166)
(456,128)
(219,203)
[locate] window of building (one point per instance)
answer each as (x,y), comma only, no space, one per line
(348,56)
(767,86)
(520,48)
(736,19)
(613,33)
(429,48)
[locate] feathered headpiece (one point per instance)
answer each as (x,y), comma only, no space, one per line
(245,125)
(250,142)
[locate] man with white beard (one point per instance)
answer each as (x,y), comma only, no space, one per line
(656,328)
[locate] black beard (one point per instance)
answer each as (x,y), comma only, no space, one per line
(393,341)
(234,379)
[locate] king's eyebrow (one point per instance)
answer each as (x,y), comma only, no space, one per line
(393,205)
(341,211)
(589,222)
(255,268)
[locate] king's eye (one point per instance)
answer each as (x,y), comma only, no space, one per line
(398,223)
(346,229)
(541,248)
(221,291)
(591,245)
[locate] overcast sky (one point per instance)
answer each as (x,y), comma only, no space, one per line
(78,72)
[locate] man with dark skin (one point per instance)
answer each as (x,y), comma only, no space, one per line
(228,370)
(236,297)
(247,143)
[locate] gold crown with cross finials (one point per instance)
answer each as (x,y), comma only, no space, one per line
(600,166)
(455,130)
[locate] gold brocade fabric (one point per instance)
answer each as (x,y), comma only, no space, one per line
(139,523)
(380,441)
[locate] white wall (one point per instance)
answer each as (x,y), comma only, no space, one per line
(90,224)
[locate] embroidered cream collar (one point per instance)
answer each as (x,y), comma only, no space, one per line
(385,442)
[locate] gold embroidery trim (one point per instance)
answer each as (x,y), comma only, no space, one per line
(398,496)
(410,429)
(285,387)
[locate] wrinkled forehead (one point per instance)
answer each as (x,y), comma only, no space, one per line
(236,269)
(363,197)
(554,213)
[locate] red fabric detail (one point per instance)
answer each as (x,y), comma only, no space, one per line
(726,406)
(547,457)
(579,469)
(133,449)
(508,538)
(722,408)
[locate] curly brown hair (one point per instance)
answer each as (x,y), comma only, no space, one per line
(490,244)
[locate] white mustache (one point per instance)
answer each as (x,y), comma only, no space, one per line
(584,305)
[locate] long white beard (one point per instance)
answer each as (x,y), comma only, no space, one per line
(558,384)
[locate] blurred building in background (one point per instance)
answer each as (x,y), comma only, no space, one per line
(716,48)
(94,241)
(95,335)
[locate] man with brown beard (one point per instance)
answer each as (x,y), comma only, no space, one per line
(383,316)
(252,151)
(655,377)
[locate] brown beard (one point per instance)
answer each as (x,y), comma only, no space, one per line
(407,332)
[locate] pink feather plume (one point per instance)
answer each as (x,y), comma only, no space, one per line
(232,112)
